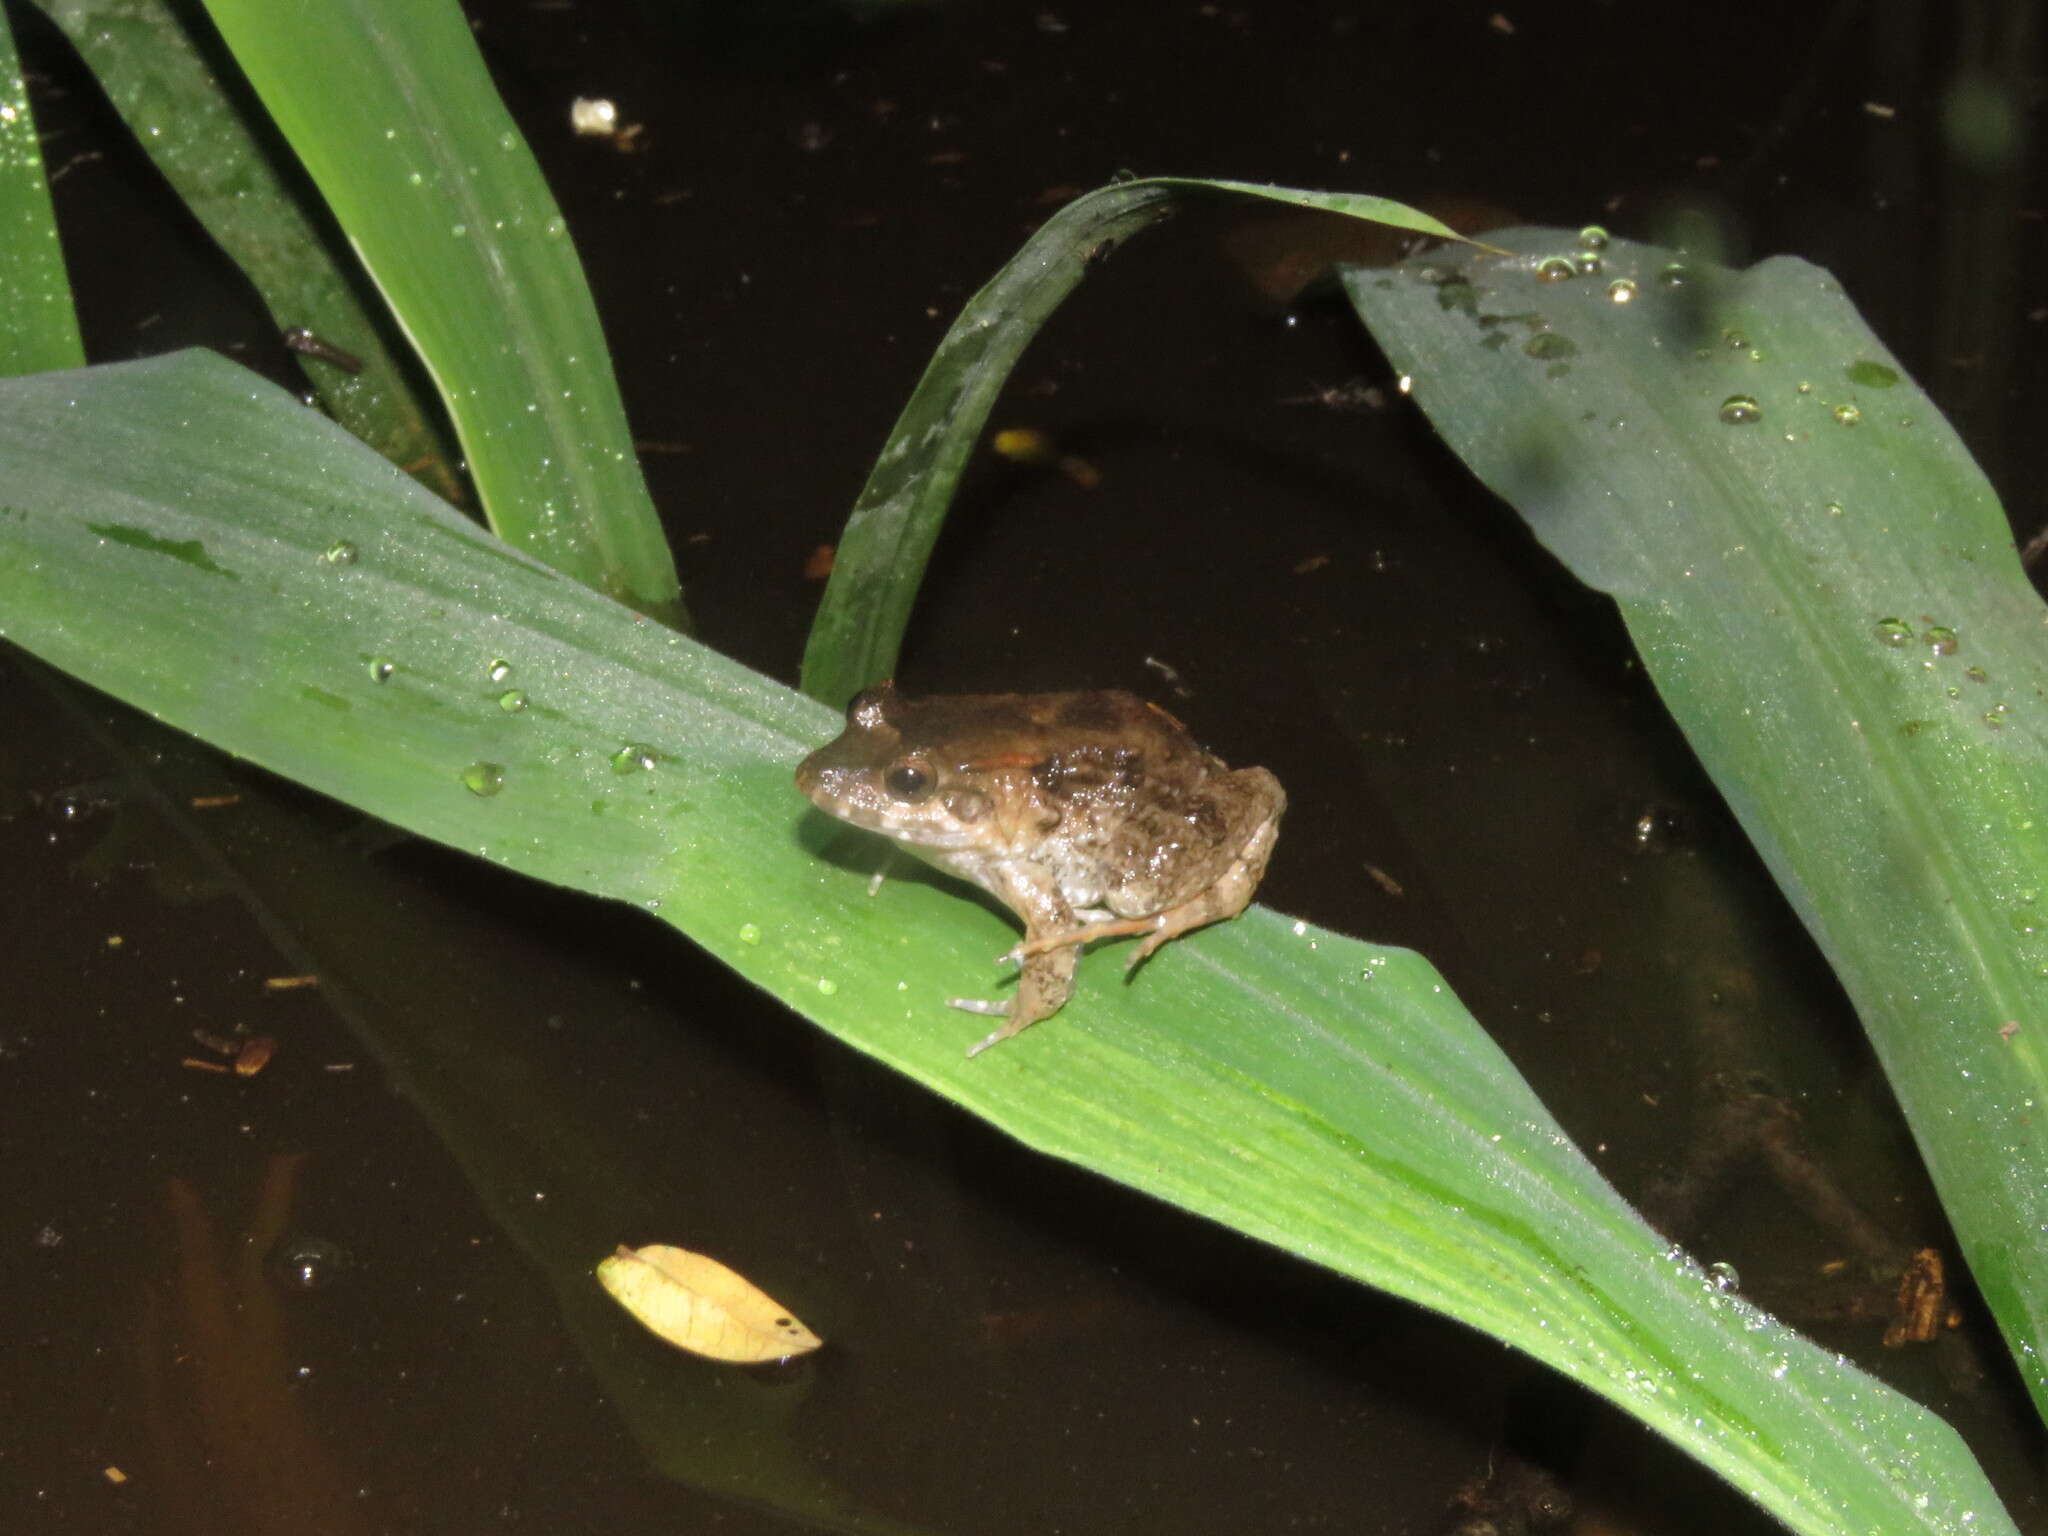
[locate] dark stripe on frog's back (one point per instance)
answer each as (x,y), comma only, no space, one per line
(1090,772)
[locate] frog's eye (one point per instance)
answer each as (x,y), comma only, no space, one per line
(909,780)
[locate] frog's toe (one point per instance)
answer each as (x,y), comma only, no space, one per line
(988,1040)
(982,1005)
(1154,941)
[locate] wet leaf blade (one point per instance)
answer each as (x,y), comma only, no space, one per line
(38,323)
(404,134)
(895,522)
(174,532)
(185,117)
(1823,586)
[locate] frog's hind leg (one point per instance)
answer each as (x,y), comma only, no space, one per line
(1230,895)
(1044,983)
(1085,933)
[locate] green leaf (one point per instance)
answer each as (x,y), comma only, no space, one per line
(896,520)
(192,540)
(38,326)
(1822,585)
(188,121)
(400,128)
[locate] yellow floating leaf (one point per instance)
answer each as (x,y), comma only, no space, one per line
(698,1304)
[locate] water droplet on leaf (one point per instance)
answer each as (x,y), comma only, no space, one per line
(634,758)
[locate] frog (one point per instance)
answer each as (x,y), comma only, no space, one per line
(1090,815)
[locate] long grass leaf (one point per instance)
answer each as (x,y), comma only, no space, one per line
(402,131)
(188,120)
(198,543)
(38,324)
(897,517)
(1822,585)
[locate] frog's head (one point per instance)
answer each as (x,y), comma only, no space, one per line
(886,774)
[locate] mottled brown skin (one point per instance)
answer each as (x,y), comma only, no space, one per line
(1087,814)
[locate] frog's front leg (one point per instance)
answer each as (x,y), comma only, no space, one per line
(1046,978)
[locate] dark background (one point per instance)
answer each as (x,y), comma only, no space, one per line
(1014,1345)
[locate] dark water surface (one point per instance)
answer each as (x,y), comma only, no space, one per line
(314,1300)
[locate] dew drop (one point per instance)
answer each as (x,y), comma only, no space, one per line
(498,670)
(1871,375)
(484,779)
(1847,413)
(1593,238)
(1995,716)
(1458,296)
(634,758)
(307,1263)
(381,669)
(340,552)
(1977,674)
(1622,290)
(1723,1277)
(1674,274)
(827,985)
(1893,631)
(1555,269)
(1941,640)
(1834,509)
(512,700)
(750,933)
(1741,411)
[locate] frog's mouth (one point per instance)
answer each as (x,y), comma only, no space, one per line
(848,795)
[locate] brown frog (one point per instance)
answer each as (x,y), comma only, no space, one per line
(1088,814)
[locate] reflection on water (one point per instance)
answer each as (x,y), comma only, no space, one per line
(231,1448)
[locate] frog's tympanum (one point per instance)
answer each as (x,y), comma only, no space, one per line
(1088,814)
